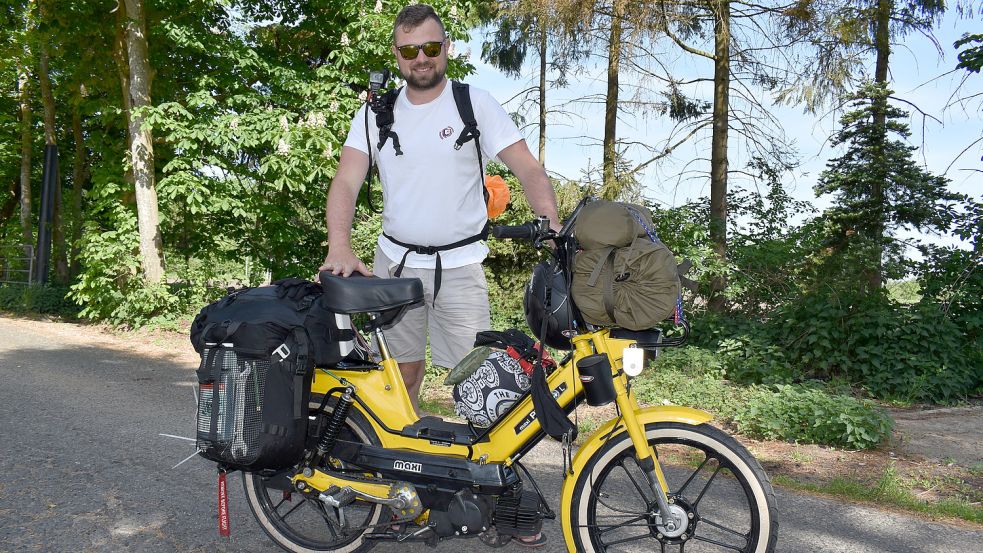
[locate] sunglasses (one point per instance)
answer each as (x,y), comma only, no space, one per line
(411,51)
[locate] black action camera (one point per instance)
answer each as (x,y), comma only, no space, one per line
(377,81)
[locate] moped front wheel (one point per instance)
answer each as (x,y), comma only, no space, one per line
(305,525)
(717,490)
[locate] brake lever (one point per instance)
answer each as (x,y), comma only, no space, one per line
(543,231)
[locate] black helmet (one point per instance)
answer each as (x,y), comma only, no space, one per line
(557,309)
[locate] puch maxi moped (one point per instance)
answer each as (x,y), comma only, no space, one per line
(656,478)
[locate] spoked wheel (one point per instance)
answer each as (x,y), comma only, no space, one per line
(300,524)
(716,488)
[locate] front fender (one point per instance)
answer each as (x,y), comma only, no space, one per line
(658,413)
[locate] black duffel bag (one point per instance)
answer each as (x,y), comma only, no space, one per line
(259,347)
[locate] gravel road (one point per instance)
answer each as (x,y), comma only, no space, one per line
(83,465)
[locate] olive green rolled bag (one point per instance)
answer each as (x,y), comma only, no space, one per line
(621,276)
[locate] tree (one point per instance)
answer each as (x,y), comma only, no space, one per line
(24,77)
(141,142)
(745,56)
(24,94)
(878,189)
(971,58)
(519,26)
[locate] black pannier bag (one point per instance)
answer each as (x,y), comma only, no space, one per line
(259,347)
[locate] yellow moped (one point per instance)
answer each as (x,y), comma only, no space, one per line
(651,479)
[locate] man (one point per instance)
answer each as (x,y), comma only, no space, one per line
(432,197)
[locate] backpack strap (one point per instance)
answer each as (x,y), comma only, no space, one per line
(462,97)
(384,119)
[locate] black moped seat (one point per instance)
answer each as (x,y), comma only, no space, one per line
(361,294)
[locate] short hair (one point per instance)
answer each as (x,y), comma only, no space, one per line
(413,16)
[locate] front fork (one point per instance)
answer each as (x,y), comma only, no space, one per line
(673,521)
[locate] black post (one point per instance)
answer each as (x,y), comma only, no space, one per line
(49,180)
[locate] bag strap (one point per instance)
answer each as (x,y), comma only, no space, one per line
(216,375)
(602,262)
(552,419)
(434,250)
(384,119)
(301,341)
(465,109)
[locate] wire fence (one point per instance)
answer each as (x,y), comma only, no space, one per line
(17,264)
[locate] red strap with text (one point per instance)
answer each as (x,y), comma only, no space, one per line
(223,507)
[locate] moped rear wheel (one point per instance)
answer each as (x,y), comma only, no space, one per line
(716,487)
(305,525)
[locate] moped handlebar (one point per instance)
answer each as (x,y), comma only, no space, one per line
(527,231)
(536,230)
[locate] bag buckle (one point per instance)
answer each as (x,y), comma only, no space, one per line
(283,351)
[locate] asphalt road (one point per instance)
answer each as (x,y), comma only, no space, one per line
(83,466)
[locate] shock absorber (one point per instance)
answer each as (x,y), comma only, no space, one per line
(330,433)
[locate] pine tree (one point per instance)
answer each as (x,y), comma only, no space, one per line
(878,190)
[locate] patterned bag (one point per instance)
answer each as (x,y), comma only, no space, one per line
(491,390)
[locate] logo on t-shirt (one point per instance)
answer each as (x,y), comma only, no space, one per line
(447,131)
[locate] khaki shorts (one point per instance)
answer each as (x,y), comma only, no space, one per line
(461,312)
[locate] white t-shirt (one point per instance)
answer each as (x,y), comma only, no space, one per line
(433,194)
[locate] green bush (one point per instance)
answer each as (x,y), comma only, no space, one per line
(690,360)
(750,360)
(896,352)
(701,391)
(799,412)
(807,414)
(48,299)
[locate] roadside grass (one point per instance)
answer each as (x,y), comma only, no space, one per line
(890,490)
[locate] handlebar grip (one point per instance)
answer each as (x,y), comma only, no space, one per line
(526,231)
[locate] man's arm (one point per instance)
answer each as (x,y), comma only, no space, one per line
(535,183)
(340,212)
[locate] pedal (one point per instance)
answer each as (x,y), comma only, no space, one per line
(338,498)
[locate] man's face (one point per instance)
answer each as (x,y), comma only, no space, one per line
(422,72)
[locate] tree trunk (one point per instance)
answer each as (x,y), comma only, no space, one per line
(611,189)
(51,139)
(123,70)
(882,48)
(141,143)
(718,148)
(542,95)
(80,174)
(24,88)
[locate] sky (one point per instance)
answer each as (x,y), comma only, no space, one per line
(918,74)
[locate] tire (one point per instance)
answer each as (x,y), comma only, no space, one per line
(298,524)
(715,484)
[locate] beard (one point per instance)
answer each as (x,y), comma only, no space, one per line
(426,81)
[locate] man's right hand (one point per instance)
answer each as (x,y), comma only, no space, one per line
(344,264)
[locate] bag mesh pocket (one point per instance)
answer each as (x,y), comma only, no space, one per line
(237,390)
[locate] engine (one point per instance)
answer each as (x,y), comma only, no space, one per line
(467,515)
(518,514)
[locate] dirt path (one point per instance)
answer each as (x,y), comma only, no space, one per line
(952,435)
